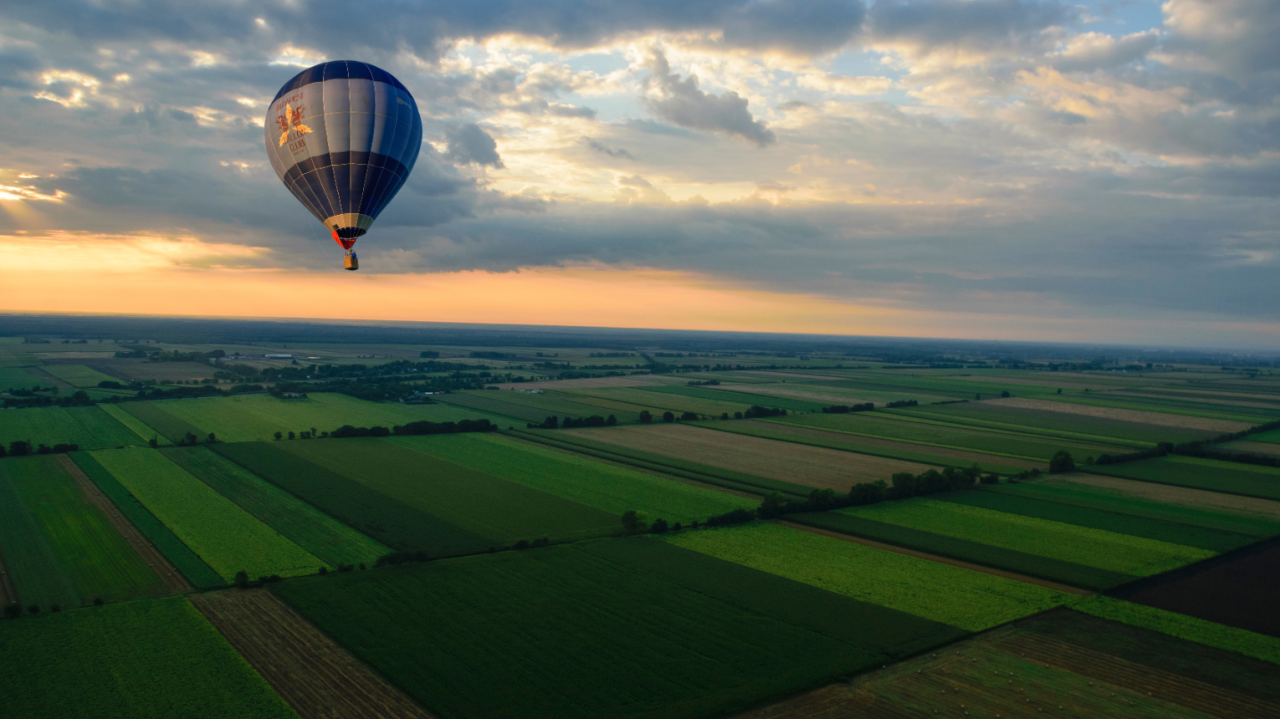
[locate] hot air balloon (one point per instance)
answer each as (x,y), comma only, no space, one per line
(343,137)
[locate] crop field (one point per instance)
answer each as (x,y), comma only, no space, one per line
(968,600)
(1272,436)
(486,506)
(1022,419)
(89,427)
(88,550)
(1210,634)
(155,416)
(606,487)
(748,399)
(1170,415)
(1264,510)
(523,406)
(34,572)
(226,537)
(160,536)
(1060,662)
(18,378)
(620,628)
(393,523)
(882,426)
(255,417)
(77,375)
(1237,590)
(155,658)
(659,402)
(316,532)
(1214,475)
(878,447)
(1111,551)
(141,429)
(809,466)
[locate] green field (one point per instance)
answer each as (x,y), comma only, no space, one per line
(29,557)
(153,415)
(617,628)
(89,427)
(876,424)
(77,375)
(606,487)
(226,537)
(1032,565)
(501,512)
(316,532)
(89,550)
(1272,436)
(1258,646)
(386,520)
(19,378)
(663,401)
(939,592)
(178,554)
(1114,552)
(1212,474)
(254,417)
(155,658)
(1188,535)
(530,407)
(1098,429)
(143,430)
(718,395)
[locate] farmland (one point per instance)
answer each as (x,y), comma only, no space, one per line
(1211,474)
(89,427)
(606,487)
(226,537)
(652,635)
(128,661)
(77,375)
(938,592)
(1100,429)
(36,575)
(89,551)
(331,541)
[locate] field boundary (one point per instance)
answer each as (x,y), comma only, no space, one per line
(317,676)
(159,564)
(1065,589)
(1190,570)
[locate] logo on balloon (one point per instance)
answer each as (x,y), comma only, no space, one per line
(290,122)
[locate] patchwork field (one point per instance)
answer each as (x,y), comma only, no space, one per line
(18,378)
(606,487)
(34,572)
(1185,421)
(1019,418)
(155,658)
(226,537)
(745,398)
(527,407)
(939,592)
(1262,510)
(316,532)
(77,375)
(89,427)
(809,466)
(659,402)
(155,416)
(1061,662)
(622,628)
(1211,474)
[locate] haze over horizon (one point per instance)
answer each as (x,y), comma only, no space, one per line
(1098,172)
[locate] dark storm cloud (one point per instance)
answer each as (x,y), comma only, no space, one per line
(680,102)
(468,144)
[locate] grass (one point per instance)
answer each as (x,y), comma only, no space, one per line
(969,600)
(77,375)
(386,520)
(157,658)
(89,427)
(178,554)
(619,628)
(1111,551)
(29,557)
(316,532)
(255,417)
(873,424)
(97,560)
(1112,521)
(226,537)
(501,512)
(143,431)
(1054,570)
(1258,646)
(606,487)
(1211,474)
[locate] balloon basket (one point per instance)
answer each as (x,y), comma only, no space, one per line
(350,262)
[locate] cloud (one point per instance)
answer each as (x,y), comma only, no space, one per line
(681,102)
(1236,38)
(978,25)
(1094,50)
(469,144)
(597,146)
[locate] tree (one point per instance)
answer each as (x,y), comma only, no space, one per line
(279,436)
(292,435)
(242,579)
(13,611)
(724,415)
(634,522)
(689,417)
(737,415)
(1059,390)
(212,438)
(154,442)
(645,417)
(1005,393)
(192,438)
(668,417)
(610,421)
(19,448)
(659,526)
(1061,462)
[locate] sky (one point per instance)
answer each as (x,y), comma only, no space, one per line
(1103,171)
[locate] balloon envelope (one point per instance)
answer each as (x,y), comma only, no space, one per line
(343,136)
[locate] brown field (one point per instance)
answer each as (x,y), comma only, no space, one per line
(588,382)
(958,454)
(1205,400)
(1170,494)
(159,564)
(1128,415)
(1058,663)
(1245,445)
(316,676)
(814,393)
(144,370)
(810,466)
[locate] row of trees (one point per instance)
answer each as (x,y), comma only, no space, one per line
(22,448)
(845,409)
